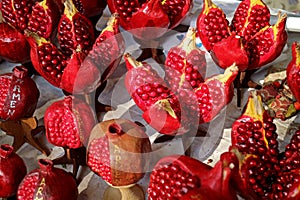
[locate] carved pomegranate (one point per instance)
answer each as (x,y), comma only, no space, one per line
(19,94)
(47,182)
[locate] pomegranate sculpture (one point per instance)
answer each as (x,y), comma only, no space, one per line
(19,94)
(47,182)
(249,41)
(118,151)
(181,177)
(12,171)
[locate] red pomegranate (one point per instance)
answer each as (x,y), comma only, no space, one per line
(161,106)
(264,171)
(12,171)
(19,94)
(48,183)
(13,45)
(69,122)
(179,177)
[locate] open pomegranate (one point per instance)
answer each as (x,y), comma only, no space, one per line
(264,172)
(16,12)
(150,19)
(47,182)
(46,58)
(182,177)
(118,152)
(74,30)
(252,40)
(70,76)
(12,170)
(69,122)
(185,65)
(19,94)
(99,64)
(152,95)
(289,176)
(185,68)
(293,71)
(13,45)
(44,18)
(215,93)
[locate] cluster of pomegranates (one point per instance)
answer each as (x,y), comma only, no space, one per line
(252,168)
(46,182)
(58,38)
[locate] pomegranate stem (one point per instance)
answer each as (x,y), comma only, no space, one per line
(5,150)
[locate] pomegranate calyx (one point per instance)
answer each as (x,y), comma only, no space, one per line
(255,107)
(281,19)
(256,3)
(20,72)
(165,104)
(36,38)
(296,53)
(229,74)
(43,4)
(68,101)
(207,5)
(46,165)
(70,9)
(188,43)
(6,150)
(131,62)
(113,23)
